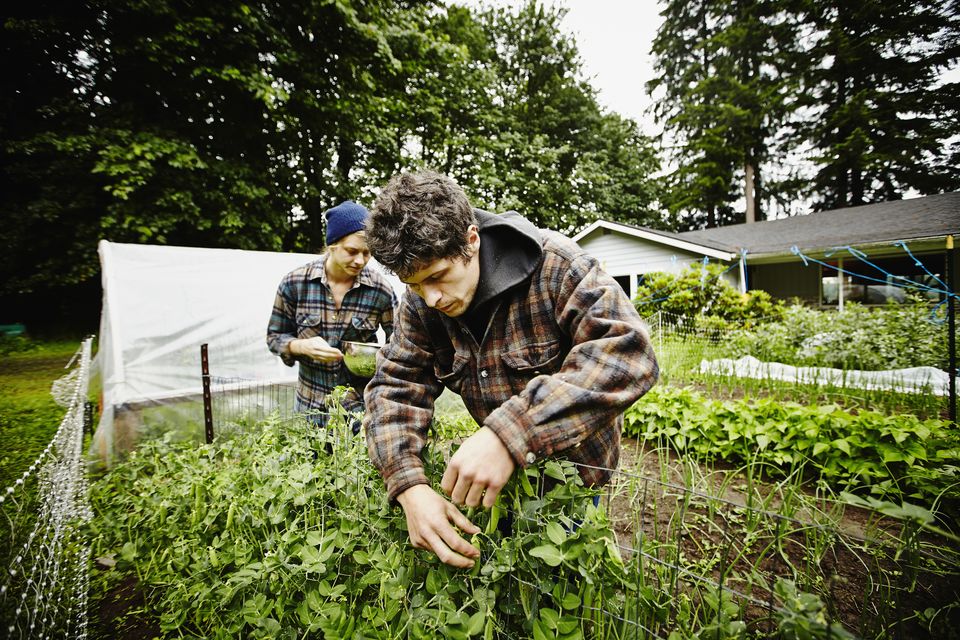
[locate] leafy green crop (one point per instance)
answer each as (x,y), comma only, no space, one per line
(896,456)
(284,532)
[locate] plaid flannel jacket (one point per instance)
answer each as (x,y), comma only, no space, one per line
(565,353)
(304,308)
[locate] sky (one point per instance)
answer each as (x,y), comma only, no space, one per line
(614,38)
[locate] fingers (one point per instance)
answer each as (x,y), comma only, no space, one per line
(490,496)
(430,520)
(462,522)
(466,489)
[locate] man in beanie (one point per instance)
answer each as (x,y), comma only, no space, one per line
(325,302)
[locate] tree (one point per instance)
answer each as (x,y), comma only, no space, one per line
(878,122)
(550,157)
(49,203)
(721,96)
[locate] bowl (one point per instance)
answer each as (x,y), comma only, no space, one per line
(360,357)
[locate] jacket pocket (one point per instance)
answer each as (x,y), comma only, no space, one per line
(308,324)
(361,329)
(539,358)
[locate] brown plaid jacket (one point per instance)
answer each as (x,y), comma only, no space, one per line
(564,355)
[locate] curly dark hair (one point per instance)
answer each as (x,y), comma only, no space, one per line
(419,218)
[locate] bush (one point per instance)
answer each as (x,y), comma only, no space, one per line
(701,296)
(892,337)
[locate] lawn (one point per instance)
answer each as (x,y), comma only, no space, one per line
(28,414)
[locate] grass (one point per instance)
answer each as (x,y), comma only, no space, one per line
(28,414)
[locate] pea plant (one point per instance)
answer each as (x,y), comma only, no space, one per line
(284,532)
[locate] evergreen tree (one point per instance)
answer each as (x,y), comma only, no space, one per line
(877,120)
(720,95)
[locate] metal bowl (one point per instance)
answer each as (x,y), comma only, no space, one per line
(360,357)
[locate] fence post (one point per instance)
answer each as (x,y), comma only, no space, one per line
(951,328)
(207,407)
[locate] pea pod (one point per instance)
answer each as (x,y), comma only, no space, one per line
(494,517)
(475,541)
(230,513)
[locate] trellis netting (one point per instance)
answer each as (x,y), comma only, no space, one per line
(160,304)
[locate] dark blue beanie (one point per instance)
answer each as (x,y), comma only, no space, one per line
(345,218)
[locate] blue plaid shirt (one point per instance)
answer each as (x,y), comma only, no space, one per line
(304,308)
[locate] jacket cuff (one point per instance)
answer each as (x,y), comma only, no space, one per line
(405,476)
(283,350)
(513,426)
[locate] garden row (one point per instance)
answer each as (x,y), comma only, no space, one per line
(266,534)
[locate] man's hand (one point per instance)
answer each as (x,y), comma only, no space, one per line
(315,348)
(478,470)
(429,520)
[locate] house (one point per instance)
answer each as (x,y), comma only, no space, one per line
(877,251)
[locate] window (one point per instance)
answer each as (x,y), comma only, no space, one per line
(624,282)
(888,281)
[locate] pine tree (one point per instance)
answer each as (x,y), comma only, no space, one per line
(876,118)
(722,95)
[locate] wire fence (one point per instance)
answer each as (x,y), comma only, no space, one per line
(708,548)
(43,593)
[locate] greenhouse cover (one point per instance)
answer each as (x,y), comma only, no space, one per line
(160,304)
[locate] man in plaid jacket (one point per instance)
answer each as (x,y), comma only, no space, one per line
(545,349)
(325,302)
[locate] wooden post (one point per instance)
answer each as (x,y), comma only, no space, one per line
(207,407)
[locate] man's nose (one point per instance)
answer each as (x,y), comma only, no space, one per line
(431,296)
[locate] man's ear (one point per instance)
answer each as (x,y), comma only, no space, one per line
(473,239)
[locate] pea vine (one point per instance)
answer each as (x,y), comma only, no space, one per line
(284,532)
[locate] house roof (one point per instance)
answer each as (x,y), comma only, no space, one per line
(712,249)
(925,218)
(885,222)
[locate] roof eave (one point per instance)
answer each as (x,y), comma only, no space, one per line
(659,238)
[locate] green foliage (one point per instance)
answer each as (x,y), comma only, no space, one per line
(723,92)
(894,457)
(701,296)
(286,531)
(854,88)
(895,336)
(236,125)
(881,115)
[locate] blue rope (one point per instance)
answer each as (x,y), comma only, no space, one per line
(911,284)
(902,243)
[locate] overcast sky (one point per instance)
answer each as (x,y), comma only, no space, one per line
(614,38)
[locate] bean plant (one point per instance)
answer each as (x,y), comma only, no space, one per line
(897,457)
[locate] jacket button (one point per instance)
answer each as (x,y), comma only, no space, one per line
(531,457)
(484,373)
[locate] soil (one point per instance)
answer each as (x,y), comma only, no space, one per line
(122,614)
(860,576)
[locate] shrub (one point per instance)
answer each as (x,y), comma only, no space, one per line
(895,336)
(703,297)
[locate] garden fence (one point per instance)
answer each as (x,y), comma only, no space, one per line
(46,558)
